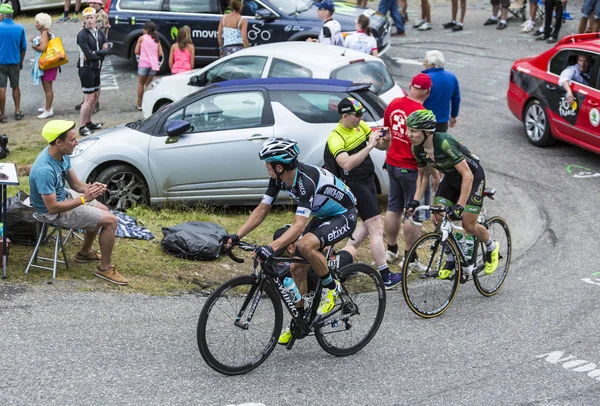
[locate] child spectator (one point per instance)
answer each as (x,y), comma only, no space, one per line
(181,57)
(362,40)
(149,49)
(39,43)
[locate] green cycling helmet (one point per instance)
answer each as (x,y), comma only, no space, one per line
(422,120)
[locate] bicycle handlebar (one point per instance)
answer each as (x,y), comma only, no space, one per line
(435,210)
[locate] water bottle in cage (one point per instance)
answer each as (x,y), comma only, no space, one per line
(290,285)
(470,240)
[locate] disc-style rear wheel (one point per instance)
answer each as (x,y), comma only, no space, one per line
(228,340)
(358,314)
(427,291)
(489,285)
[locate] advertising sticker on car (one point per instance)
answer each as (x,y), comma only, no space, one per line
(594,117)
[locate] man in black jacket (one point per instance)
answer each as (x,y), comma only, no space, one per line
(93,47)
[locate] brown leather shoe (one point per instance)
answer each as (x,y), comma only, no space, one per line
(92,256)
(111,275)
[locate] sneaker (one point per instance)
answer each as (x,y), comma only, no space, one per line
(538,32)
(501,26)
(551,40)
(63,19)
(418,23)
(449,24)
(414,265)
(41,109)
(84,131)
(458,27)
(139,107)
(328,299)
(393,280)
(527,26)
(542,38)
(425,27)
(95,126)
(446,270)
(491,21)
(111,275)
(390,256)
(285,337)
(46,114)
(75,19)
(491,262)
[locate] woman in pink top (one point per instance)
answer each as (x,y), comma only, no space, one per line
(181,57)
(149,49)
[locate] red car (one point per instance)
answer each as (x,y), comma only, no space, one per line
(536,99)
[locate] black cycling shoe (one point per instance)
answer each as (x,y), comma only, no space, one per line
(95,126)
(85,131)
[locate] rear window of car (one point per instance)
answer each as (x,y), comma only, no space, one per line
(372,72)
(284,69)
(148,5)
(313,107)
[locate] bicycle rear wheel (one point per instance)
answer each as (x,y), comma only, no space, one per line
(358,314)
(426,294)
(229,342)
(489,285)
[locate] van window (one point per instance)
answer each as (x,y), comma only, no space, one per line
(145,5)
(192,6)
(373,72)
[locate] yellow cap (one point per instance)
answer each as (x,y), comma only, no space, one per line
(54,128)
(88,11)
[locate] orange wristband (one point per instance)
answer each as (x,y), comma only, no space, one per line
(82,200)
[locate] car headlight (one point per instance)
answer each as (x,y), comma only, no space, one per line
(82,146)
(154,83)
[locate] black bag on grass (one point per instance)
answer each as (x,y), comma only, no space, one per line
(21,226)
(195,240)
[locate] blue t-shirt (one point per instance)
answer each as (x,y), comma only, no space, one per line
(48,176)
(12,42)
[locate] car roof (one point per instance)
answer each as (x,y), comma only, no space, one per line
(308,53)
(334,85)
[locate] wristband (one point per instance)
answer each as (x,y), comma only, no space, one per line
(82,200)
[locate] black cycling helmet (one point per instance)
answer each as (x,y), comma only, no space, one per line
(279,150)
(422,120)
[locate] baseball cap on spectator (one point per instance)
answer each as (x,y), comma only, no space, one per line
(421,81)
(6,8)
(349,105)
(326,4)
(88,11)
(55,128)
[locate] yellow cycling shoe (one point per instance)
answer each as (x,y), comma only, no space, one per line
(446,270)
(328,299)
(490,267)
(285,337)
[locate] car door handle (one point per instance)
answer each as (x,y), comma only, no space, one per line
(550,87)
(593,103)
(257,137)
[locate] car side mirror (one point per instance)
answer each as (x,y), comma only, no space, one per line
(198,80)
(176,128)
(265,15)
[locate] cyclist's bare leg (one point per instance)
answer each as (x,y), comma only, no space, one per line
(309,246)
(471,226)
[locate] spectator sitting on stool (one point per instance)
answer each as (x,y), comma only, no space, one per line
(74,208)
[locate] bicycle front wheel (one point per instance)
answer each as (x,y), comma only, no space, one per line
(489,285)
(428,292)
(238,325)
(358,314)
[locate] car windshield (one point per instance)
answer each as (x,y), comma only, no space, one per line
(372,72)
(289,7)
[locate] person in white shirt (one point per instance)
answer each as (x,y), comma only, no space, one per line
(362,40)
(331,33)
(578,73)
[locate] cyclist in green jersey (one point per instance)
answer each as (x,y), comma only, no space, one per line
(461,189)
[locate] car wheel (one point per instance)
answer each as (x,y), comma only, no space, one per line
(16,7)
(125,187)
(537,125)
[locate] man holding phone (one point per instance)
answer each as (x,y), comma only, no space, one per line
(350,143)
(402,166)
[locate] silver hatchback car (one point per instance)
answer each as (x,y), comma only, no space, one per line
(216,161)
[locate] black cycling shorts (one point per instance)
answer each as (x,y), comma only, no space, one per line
(366,197)
(331,230)
(448,192)
(90,79)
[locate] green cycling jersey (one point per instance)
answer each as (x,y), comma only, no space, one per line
(448,152)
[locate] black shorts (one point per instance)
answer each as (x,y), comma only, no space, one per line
(90,79)
(449,191)
(332,229)
(366,197)
(10,73)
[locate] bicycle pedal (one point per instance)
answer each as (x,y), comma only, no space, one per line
(290,344)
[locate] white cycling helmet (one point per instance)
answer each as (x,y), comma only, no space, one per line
(284,150)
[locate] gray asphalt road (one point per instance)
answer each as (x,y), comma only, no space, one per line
(534,343)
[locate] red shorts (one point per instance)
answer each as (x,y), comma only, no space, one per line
(50,75)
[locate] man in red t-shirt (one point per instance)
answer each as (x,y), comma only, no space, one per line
(402,165)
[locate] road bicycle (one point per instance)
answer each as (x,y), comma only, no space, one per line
(429,292)
(240,322)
